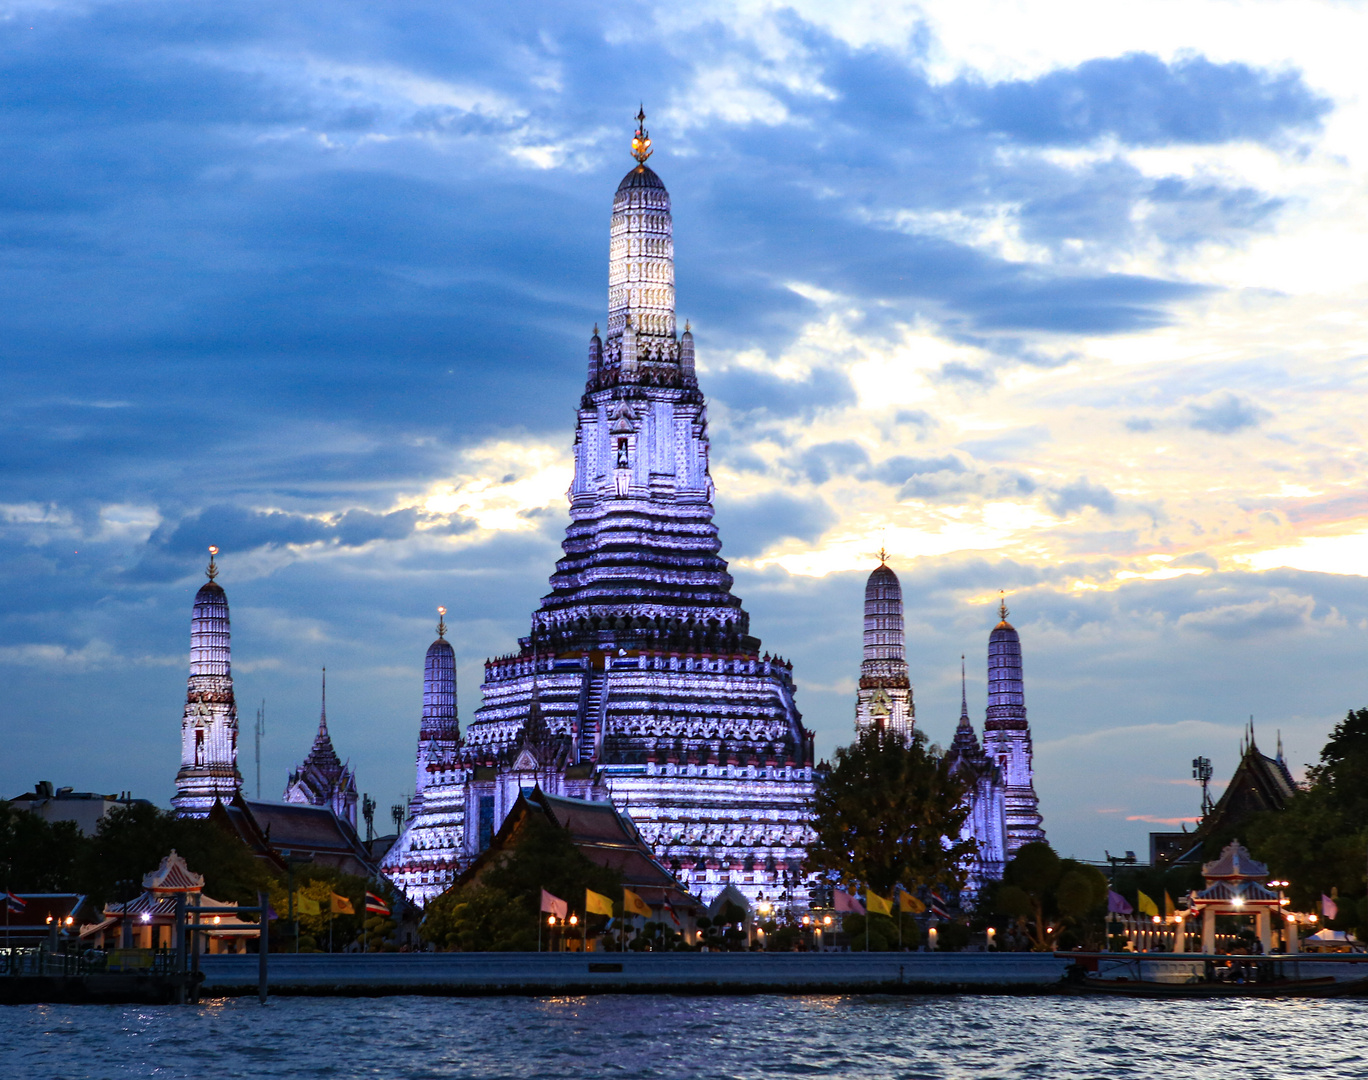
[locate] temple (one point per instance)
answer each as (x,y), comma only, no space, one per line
(321,778)
(430,850)
(1007,735)
(885,695)
(209,726)
(639,679)
(987,821)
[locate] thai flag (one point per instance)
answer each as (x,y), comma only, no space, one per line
(14,903)
(938,906)
(375,905)
(674,917)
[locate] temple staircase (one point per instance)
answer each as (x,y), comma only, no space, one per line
(593,709)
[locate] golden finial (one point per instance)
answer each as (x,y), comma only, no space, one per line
(212,570)
(687,325)
(883,557)
(641,141)
(1002,605)
(595,329)
(441,622)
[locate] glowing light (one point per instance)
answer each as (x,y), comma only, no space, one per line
(550,920)
(1157,920)
(574,920)
(213,549)
(146,917)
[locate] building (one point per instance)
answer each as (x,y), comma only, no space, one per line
(987,821)
(86,809)
(321,779)
(1007,735)
(885,695)
(604,836)
(1259,783)
(148,920)
(430,851)
(639,680)
(316,823)
(209,725)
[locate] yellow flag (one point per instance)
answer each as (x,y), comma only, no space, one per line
(876,904)
(306,906)
(597,903)
(909,903)
(1145,905)
(341,905)
(633,904)
(1170,908)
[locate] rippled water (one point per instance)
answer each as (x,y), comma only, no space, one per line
(631,1036)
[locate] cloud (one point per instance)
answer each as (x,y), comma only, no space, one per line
(1226,414)
(1079,495)
(754,524)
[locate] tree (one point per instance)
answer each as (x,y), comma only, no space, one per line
(890,813)
(37,855)
(131,841)
(499,910)
(1039,890)
(1319,842)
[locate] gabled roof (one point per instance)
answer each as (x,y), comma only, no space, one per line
(173,876)
(271,829)
(601,832)
(1235,864)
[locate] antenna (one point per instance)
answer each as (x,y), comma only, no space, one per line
(1201,770)
(259,730)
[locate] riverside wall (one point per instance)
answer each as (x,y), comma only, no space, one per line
(477,974)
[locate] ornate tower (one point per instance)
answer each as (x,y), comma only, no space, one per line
(209,726)
(648,683)
(321,779)
(428,853)
(987,821)
(885,696)
(1007,735)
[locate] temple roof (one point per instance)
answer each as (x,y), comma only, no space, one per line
(642,176)
(173,876)
(1235,864)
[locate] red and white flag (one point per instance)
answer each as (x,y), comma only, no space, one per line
(843,901)
(13,902)
(375,905)
(554,905)
(674,915)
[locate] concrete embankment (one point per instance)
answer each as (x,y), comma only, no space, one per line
(472,974)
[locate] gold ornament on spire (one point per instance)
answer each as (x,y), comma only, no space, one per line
(212,570)
(1002,605)
(441,622)
(641,141)
(883,557)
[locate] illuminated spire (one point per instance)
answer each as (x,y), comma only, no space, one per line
(641,141)
(441,622)
(964,694)
(211,569)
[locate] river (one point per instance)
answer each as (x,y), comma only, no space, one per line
(770,1037)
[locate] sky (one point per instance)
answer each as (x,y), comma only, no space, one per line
(1058,299)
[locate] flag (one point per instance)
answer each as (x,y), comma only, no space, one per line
(340,905)
(1329,908)
(843,901)
(938,908)
(674,916)
(597,904)
(633,904)
(1145,905)
(14,903)
(554,905)
(305,905)
(375,905)
(877,904)
(910,904)
(1170,908)
(1117,904)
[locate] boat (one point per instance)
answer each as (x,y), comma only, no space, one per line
(1176,975)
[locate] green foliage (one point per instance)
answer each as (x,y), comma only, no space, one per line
(1039,890)
(38,856)
(131,842)
(889,814)
(883,932)
(1319,842)
(500,911)
(317,882)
